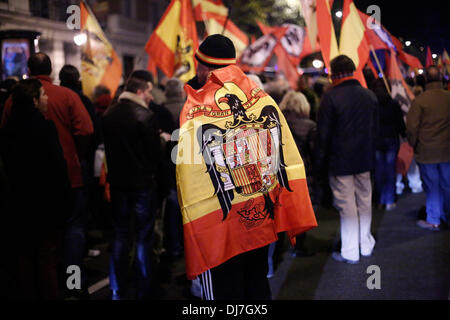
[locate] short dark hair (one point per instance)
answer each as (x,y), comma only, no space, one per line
(135,84)
(143,75)
(39,64)
(69,76)
(174,88)
(433,74)
(23,94)
(342,64)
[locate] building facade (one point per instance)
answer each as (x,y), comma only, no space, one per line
(127,25)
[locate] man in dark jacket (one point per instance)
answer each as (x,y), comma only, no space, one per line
(428,131)
(75,128)
(347,125)
(132,147)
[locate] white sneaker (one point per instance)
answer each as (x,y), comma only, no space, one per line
(93,253)
(390,206)
(416,190)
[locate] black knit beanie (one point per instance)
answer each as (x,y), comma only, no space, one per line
(216,51)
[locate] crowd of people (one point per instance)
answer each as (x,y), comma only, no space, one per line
(57,146)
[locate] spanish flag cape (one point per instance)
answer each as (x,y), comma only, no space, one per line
(240,177)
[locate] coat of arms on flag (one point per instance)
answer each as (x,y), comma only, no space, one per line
(246,157)
(248,181)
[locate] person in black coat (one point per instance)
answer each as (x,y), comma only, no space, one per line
(392,126)
(345,148)
(296,109)
(39,192)
(133,154)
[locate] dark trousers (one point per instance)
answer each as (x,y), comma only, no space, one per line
(35,268)
(243,277)
(75,233)
(126,204)
(385,176)
(173,225)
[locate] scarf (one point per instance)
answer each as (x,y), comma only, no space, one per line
(338,78)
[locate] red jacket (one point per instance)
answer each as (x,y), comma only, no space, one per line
(71,119)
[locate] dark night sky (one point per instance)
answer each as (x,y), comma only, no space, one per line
(424,23)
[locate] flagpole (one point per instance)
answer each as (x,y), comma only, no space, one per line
(226,20)
(379,68)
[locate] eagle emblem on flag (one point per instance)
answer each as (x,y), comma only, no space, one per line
(245,157)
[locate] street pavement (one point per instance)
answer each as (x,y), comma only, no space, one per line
(408,263)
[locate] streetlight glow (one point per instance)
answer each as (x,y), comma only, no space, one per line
(317,63)
(407,43)
(80,39)
(434,55)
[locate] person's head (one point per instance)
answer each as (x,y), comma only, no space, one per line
(174,89)
(342,66)
(101,90)
(379,88)
(417,90)
(256,80)
(69,76)
(277,89)
(296,102)
(143,75)
(216,51)
(29,93)
(433,74)
(140,87)
(39,64)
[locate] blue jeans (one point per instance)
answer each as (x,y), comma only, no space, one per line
(141,205)
(436,181)
(385,177)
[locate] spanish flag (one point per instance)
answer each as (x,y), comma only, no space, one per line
(215,16)
(240,177)
(100,64)
(205,9)
(353,42)
(219,24)
(173,43)
(429,59)
(326,32)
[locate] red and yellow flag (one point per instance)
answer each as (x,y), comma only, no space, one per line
(353,42)
(99,62)
(205,9)
(215,16)
(429,60)
(219,24)
(326,32)
(240,177)
(446,60)
(309,13)
(173,43)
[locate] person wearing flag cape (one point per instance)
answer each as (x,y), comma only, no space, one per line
(240,177)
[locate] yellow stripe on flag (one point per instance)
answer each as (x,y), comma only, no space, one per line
(352,33)
(168,29)
(210,7)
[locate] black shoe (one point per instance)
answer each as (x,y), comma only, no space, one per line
(338,257)
(297,253)
(186,293)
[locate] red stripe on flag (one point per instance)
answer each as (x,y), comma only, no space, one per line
(209,241)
